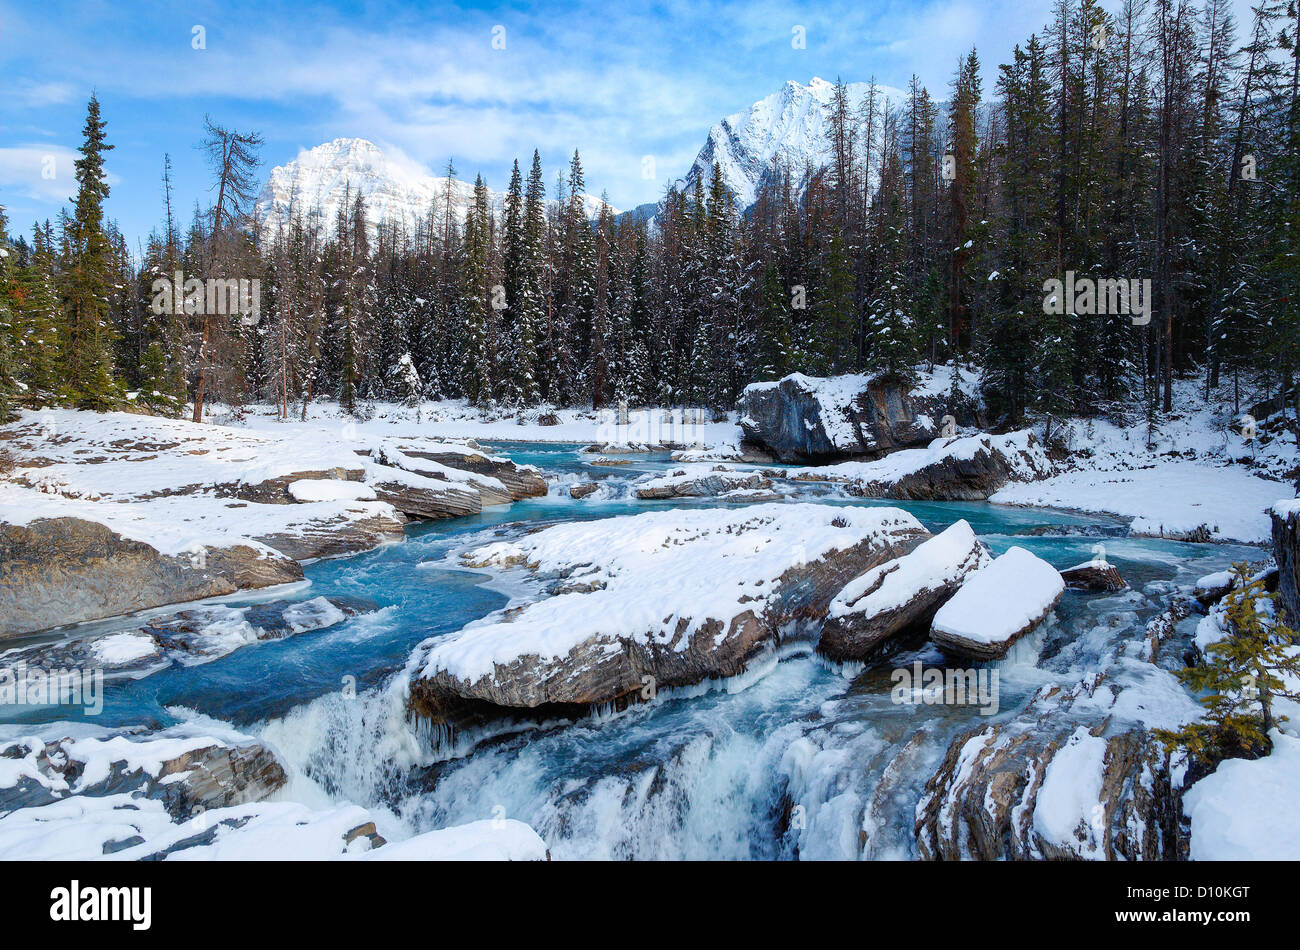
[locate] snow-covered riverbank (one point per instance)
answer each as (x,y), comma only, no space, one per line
(805,723)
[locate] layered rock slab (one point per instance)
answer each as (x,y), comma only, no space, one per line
(998,605)
(900,594)
(651,601)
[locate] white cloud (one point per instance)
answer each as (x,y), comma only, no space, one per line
(41,172)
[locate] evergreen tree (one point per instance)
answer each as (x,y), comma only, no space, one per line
(1242,676)
(86,338)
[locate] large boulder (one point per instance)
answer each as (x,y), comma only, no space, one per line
(57,571)
(701,481)
(968,468)
(1061,780)
(1286,551)
(901,594)
(997,605)
(815,420)
(648,602)
(181,766)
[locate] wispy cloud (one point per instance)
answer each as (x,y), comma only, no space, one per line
(41,172)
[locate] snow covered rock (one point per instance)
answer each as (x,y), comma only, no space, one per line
(998,605)
(299,487)
(809,419)
(1212,588)
(188,638)
(701,481)
(499,480)
(583,490)
(184,767)
(194,791)
(56,571)
(1063,779)
(1286,552)
(969,468)
(1242,811)
(1093,576)
(647,602)
(900,594)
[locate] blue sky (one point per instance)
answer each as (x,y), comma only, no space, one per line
(424,81)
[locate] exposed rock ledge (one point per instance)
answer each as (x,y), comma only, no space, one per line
(1057,781)
(969,468)
(809,419)
(111,513)
(647,602)
(55,571)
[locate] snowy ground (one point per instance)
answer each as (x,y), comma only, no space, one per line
(456,419)
(1196,468)
(155,480)
(1170,498)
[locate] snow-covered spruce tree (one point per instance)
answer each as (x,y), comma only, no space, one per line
(476,300)
(406,384)
(530,312)
(961,195)
(601,341)
(1242,677)
(774,342)
(36,319)
(8,293)
(575,293)
(86,336)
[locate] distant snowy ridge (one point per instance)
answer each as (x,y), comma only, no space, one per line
(319,180)
(790,126)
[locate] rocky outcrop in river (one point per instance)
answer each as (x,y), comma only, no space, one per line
(146,511)
(812,420)
(1057,781)
(704,482)
(187,638)
(740,581)
(56,571)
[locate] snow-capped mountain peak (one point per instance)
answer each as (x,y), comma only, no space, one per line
(396,190)
(789,126)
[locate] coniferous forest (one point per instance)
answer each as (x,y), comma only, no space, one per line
(1160,143)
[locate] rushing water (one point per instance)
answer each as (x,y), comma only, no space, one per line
(797,758)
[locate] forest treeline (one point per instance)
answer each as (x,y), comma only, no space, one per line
(1159,143)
